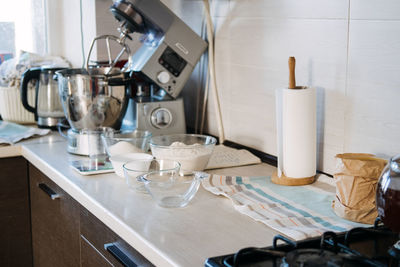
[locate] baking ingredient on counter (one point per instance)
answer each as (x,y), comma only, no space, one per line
(119,160)
(296,134)
(191,151)
(289,210)
(356,179)
(191,157)
(388,194)
(123,147)
(11,133)
(117,143)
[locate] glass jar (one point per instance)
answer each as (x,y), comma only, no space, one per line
(388,194)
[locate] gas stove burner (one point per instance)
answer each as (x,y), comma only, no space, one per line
(394,251)
(312,257)
(357,247)
(249,256)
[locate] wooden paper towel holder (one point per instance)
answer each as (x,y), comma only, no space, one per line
(284,180)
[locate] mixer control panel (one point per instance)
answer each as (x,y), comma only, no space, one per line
(172,62)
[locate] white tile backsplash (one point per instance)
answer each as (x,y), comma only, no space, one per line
(372,115)
(352,61)
(325,9)
(375,9)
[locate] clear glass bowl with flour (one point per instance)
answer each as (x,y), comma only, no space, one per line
(117,143)
(192,151)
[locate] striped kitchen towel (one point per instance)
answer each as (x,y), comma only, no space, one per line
(297,212)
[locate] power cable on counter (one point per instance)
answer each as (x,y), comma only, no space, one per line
(82,39)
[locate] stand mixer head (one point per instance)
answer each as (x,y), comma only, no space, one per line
(164,62)
(170,49)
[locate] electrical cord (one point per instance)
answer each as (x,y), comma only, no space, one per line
(203,114)
(204,78)
(200,80)
(211,65)
(82,40)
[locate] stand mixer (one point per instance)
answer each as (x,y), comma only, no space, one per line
(97,97)
(161,66)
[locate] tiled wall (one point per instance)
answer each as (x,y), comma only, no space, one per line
(348,49)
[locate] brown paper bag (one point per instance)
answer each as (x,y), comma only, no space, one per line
(356,179)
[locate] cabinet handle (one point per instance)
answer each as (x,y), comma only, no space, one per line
(119,255)
(53,195)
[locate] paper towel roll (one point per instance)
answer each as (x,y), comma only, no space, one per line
(296,129)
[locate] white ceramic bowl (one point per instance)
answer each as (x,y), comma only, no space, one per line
(192,151)
(119,160)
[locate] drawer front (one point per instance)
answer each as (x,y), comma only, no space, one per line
(55,223)
(91,257)
(109,244)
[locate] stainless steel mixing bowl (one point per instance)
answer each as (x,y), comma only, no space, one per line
(92,100)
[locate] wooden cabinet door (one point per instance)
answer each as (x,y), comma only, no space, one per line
(104,241)
(55,223)
(15,228)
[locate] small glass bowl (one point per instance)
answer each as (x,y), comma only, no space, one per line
(193,151)
(171,189)
(117,143)
(135,168)
(118,161)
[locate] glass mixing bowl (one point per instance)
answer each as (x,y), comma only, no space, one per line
(135,168)
(116,143)
(193,151)
(170,189)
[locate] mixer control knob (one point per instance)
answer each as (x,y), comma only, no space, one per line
(161,118)
(163,77)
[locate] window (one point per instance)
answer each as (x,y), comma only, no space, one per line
(22,27)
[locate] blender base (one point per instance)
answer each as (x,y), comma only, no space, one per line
(85,143)
(49,122)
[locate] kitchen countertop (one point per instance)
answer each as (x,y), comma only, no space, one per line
(208,226)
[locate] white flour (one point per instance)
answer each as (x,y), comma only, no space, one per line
(123,147)
(191,157)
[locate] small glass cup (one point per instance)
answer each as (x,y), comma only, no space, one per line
(135,168)
(96,151)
